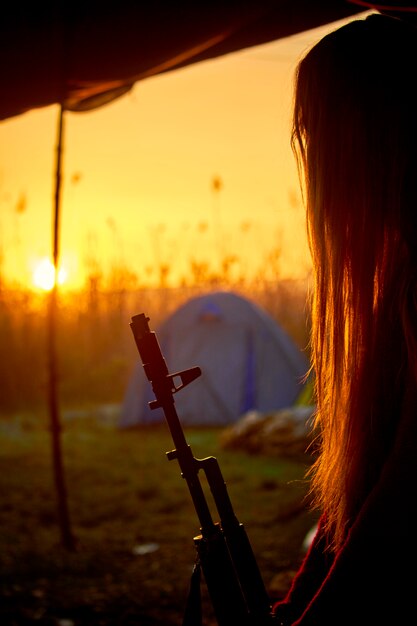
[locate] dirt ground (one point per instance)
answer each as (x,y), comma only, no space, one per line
(134,524)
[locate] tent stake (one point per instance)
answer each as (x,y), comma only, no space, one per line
(67,537)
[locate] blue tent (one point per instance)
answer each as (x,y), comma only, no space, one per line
(248,362)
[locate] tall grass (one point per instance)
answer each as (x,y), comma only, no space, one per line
(95,347)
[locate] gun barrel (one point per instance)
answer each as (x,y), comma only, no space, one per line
(157,372)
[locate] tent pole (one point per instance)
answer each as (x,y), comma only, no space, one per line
(67,537)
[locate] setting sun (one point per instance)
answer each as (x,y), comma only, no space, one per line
(44,275)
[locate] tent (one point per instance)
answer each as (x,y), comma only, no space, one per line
(248,362)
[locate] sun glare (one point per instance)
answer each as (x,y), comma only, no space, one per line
(44,275)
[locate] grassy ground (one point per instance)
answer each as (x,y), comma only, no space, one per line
(125,498)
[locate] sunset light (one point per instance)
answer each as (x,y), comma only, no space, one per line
(44,275)
(154,227)
(205,146)
(189,170)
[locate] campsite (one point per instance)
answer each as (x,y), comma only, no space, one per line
(130,513)
(96,526)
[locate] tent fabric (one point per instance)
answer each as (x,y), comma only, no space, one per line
(84,53)
(247,360)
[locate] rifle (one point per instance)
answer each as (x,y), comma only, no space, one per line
(224,553)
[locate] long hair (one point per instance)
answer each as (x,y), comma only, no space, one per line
(355,136)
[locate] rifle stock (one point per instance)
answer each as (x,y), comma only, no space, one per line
(231,573)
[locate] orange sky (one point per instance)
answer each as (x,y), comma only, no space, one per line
(138,172)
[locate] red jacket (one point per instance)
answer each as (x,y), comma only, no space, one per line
(371,581)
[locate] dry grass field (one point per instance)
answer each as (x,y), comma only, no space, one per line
(133,520)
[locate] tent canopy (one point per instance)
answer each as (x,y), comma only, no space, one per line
(83,53)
